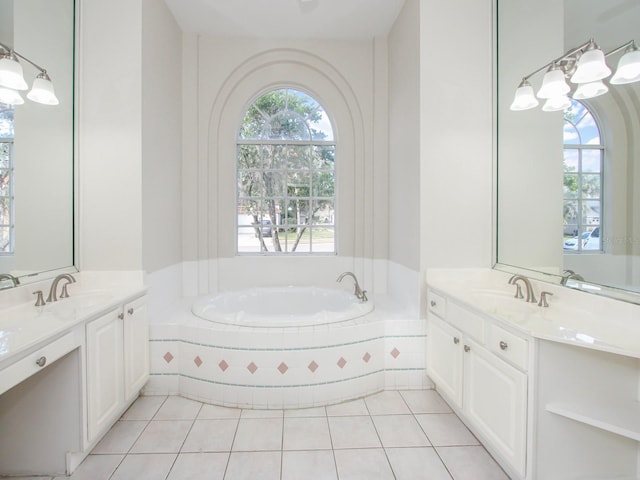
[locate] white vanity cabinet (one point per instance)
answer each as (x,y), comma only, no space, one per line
(480,368)
(117,346)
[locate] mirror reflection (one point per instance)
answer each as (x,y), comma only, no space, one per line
(36,138)
(568,154)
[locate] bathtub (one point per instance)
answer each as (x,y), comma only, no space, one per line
(284,347)
(281,307)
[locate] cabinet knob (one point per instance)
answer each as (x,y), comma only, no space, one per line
(130,311)
(503,345)
(467,348)
(456,340)
(433,303)
(42,361)
(121,316)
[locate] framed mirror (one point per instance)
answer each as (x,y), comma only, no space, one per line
(37,144)
(568,186)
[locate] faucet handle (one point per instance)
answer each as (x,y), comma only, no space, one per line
(39,299)
(518,291)
(543,299)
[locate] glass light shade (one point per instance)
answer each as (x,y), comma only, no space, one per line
(590,90)
(556,103)
(628,70)
(42,90)
(11,75)
(553,84)
(10,97)
(591,67)
(524,99)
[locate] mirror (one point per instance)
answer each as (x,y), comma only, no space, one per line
(36,160)
(561,208)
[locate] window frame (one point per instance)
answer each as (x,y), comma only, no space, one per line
(10,171)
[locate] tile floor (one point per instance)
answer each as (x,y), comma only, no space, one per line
(390,435)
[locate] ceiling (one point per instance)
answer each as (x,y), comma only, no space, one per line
(286,18)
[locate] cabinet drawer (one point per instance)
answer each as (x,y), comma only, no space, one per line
(437,304)
(36,361)
(506,345)
(468,322)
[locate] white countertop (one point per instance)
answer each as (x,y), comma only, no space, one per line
(573,317)
(24,326)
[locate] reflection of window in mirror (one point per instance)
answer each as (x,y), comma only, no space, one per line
(6,179)
(583,170)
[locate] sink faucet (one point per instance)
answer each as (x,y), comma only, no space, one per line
(359,293)
(8,276)
(54,287)
(531,296)
(570,275)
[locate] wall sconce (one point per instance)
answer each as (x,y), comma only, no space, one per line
(585,66)
(12,80)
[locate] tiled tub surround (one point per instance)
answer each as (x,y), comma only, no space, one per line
(286,367)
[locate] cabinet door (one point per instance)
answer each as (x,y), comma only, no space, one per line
(495,402)
(104,372)
(444,359)
(136,346)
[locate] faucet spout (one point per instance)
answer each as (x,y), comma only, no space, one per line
(358,292)
(11,278)
(531,296)
(53,295)
(570,275)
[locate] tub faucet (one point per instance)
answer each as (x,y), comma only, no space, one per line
(531,296)
(8,276)
(359,293)
(54,287)
(570,275)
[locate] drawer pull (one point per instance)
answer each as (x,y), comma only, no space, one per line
(433,303)
(130,311)
(456,340)
(42,361)
(121,316)
(503,345)
(467,348)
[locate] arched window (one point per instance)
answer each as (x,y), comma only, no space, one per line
(6,180)
(286,176)
(583,181)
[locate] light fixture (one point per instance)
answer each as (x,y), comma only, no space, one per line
(585,65)
(591,65)
(628,70)
(590,90)
(12,80)
(524,98)
(553,83)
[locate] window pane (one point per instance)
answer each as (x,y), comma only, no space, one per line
(588,130)
(571,160)
(570,188)
(5,211)
(5,152)
(323,239)
(6,121)
(570,134)
(250,184)
(591,160)
(252,125)
(298,183)
(5,239)
(591,212)
(249,157)
(323,212)
(299,157)
(571,212)
(324,157)
(5,183)
(286,126)
(321,127)
(591,186)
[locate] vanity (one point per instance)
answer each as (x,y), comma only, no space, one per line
(552,392)
(68,369)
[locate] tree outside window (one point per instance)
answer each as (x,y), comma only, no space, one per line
(286,176)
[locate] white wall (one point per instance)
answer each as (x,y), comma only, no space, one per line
(161,137)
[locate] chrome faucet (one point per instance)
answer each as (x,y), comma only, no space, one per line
(531,296)
(359,293)
(8,276)
(570,275)
(54,287)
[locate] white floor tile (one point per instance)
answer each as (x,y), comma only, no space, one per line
(306,434)
(210,412)
(353,432)
(352,407)
(363,464)
(425,401)
(386,403)
(144,408)
(254,466)
(144,467)
(121,437)
(400,431)
(471,463)
(178,408)
(446,429)
(316,464)
(162,436)
(211,436)
(258,434)
(417,463)
(95,467)
(199,466)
